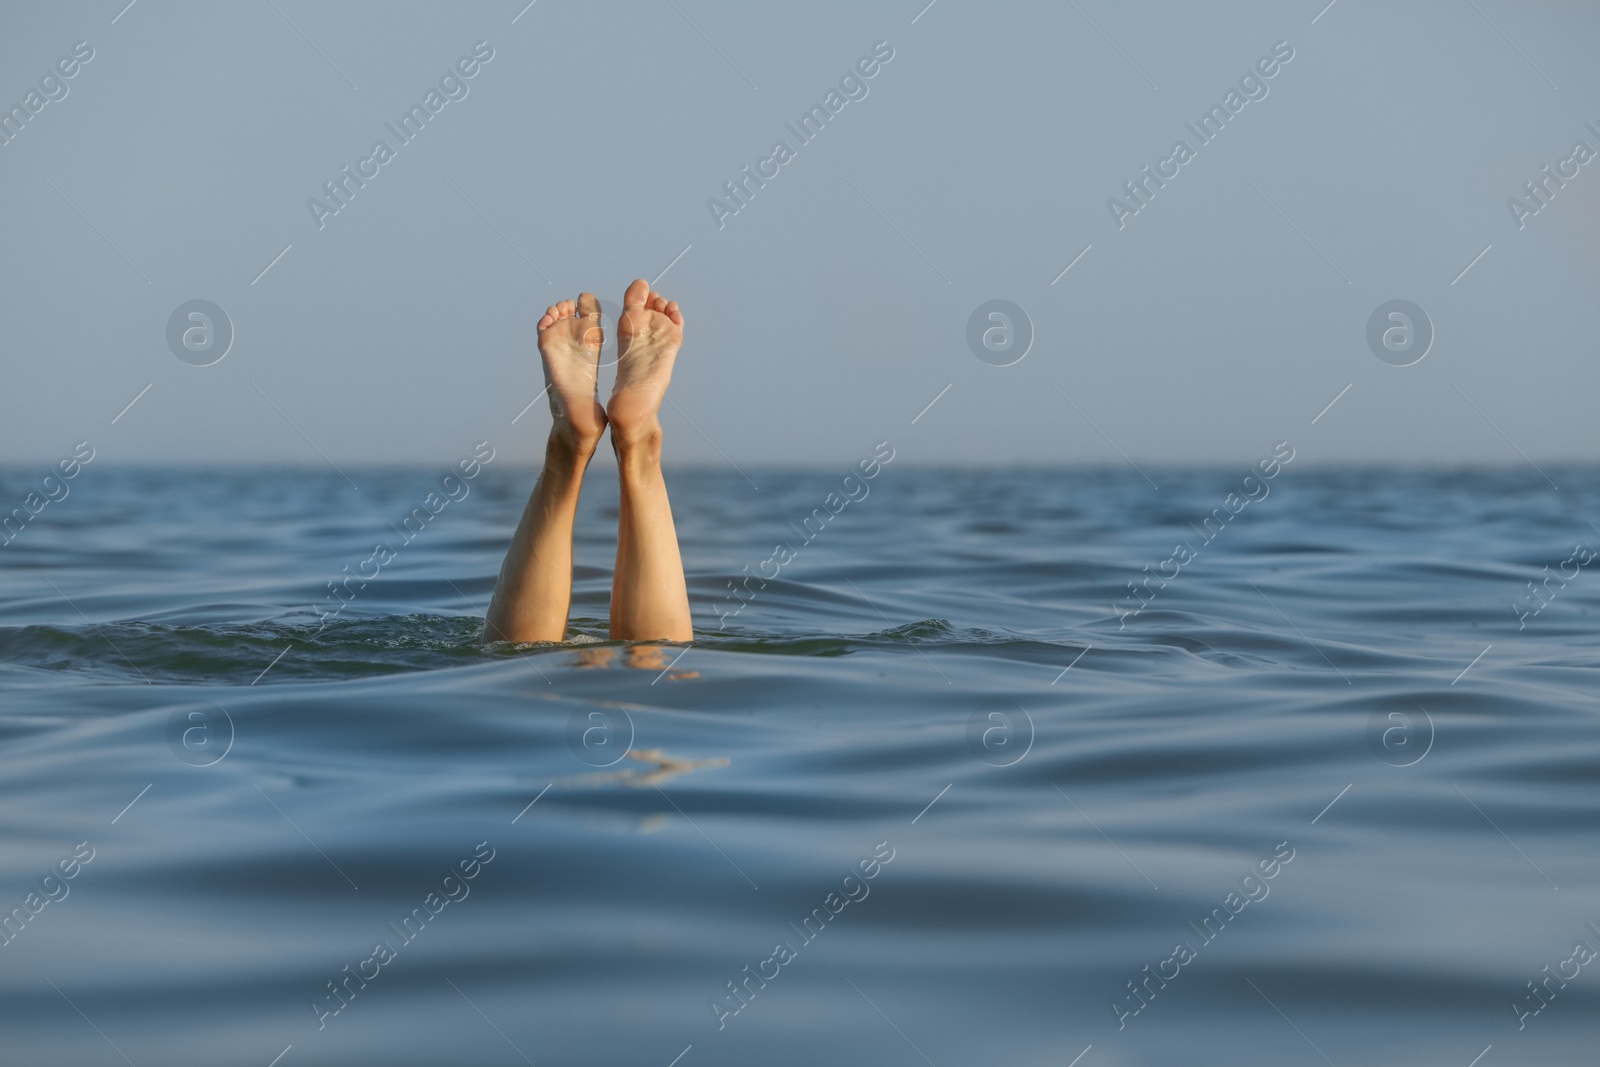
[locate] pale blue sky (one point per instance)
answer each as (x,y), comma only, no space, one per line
(832,308)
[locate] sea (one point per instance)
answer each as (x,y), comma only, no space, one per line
(1067,767)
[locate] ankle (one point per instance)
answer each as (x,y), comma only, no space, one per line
(567,445)
(641,439)
(638,451)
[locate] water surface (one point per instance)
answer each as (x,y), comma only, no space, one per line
(1067,778)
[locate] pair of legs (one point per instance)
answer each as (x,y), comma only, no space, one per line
(649,598)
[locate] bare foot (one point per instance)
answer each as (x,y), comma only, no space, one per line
(649,332)
(569,343)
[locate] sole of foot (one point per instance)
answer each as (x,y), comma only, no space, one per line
(649,334)
(570,337)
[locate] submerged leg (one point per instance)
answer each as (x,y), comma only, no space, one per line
(535,588)
(649,597)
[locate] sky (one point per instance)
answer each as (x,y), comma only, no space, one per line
(845,301)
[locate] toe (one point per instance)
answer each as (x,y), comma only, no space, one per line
(552,313)
(673,313)
(635,296)
(545,322)
(588,309)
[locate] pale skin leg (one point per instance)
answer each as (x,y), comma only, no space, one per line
(649,597)
(534,593)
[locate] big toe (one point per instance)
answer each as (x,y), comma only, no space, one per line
(588,305)
(636,294)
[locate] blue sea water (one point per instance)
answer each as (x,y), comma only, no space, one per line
(977,799)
